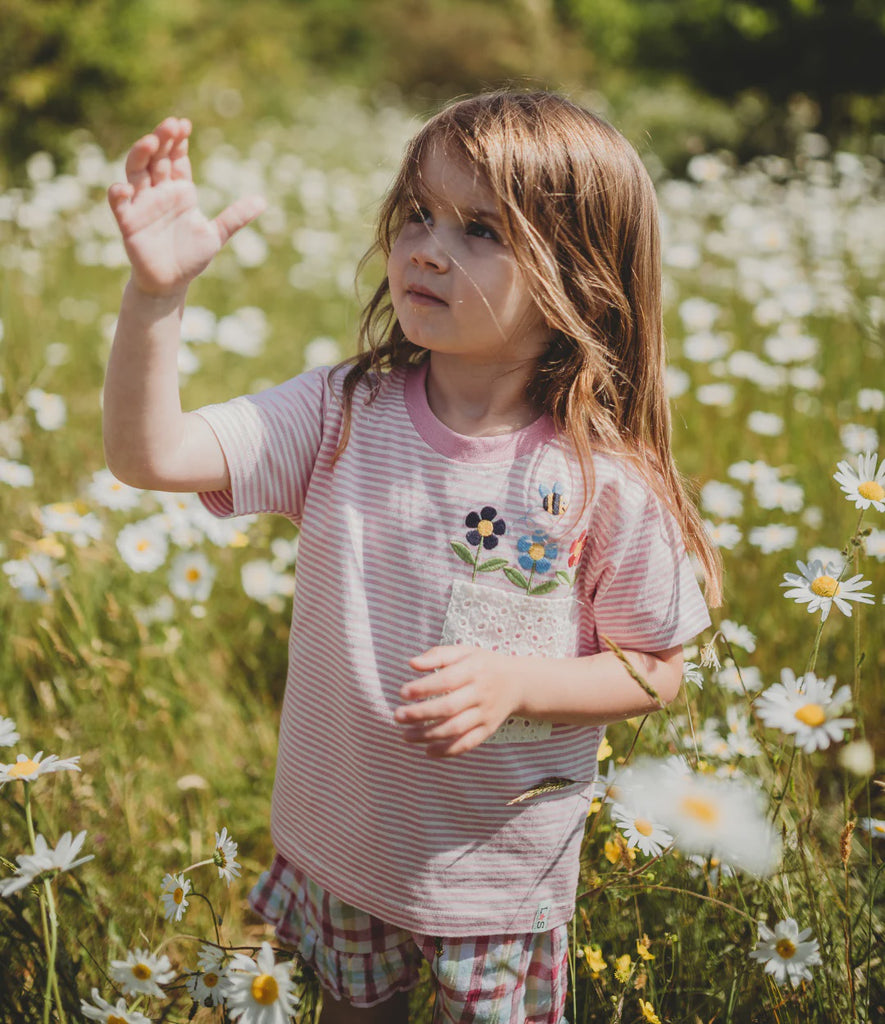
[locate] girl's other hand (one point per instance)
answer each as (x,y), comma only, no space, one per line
(167,239)
(470,693)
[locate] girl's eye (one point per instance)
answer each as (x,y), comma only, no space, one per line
(419,215)
(479,230)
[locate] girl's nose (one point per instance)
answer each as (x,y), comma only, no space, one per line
(429,253)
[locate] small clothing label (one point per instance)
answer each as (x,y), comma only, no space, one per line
(541,916)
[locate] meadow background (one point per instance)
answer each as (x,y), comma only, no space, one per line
(150,641)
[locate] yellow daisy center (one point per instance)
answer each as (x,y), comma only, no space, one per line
(786,948)
(643,827)
(825,586)
(142,972)
(879,828)
(114,1019)
(536,552)
(192,575)
(21,769)
(178,895)
(811,714)
(700,808)
(265,989)
(871,490)
(210,980)
(142,545)
(485,527)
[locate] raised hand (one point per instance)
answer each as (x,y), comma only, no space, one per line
(168,240)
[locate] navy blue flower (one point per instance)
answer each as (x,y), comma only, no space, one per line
(485,528)
(536,552)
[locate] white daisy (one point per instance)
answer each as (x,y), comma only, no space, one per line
(16,474)
(102,1011)
(721,499)
(8,734)
(649,836)
(720,817)
(28,769)
(773,537)
(875,826)
(691,673)
(64,517)
(738,635)
(785,952)
(858,438)
(142,546)
(174,895)
(208,982)
(785,495)
(723,535)
(36,576)
(142,973)
(818,588)
(871,400)
(44,858)
(874,545)
(730,679)
(749,472)
(191,576)
(740,742)
(109,492)
(769,424)
(224,856)
(806,708)
(49,410)
(864,486)
(259,991)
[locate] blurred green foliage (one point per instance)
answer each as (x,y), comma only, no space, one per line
(728,73)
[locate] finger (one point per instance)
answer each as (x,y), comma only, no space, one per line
(439,657)
(448,729)
(161,166)
(444,681)
(138,160)
(178,155)
(439,707)
(462,745)
(238,215)
(119,195)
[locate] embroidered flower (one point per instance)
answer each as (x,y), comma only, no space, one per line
(485,528)
(576,550)
(536,552)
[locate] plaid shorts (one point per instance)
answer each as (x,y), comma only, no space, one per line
(490,979)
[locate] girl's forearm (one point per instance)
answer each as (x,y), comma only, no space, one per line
(596,689)
(142,417)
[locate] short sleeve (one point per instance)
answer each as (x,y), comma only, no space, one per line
(270,441)
(639,587)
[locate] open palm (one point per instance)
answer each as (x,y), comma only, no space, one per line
(168,240)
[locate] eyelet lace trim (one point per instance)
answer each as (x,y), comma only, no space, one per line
(512,623)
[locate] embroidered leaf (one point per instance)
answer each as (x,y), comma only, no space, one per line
(463,552)
(544,588)
(564,577)
(492,564)
(549,784)
(516,577)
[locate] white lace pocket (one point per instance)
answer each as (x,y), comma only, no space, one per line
(512,623)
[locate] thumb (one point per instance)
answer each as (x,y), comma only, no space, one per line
(238,215)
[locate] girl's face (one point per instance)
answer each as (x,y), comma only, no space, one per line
(455,284)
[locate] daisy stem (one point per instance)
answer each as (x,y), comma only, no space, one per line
(199,864)
(51,978)
(48,930)
(211,911)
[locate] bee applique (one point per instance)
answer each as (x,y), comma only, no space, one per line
(552,500)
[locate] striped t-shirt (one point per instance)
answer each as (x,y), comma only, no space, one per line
(419,535)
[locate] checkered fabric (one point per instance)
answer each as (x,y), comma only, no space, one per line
(489,979)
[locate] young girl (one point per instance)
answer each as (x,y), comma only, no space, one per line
(486,498)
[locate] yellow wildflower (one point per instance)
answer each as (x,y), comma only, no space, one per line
(648,1012)
(605,749)
(623,968)
(593,959)
(642,948)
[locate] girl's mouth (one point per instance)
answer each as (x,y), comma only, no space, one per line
(424,296)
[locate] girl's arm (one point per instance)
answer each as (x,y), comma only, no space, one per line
(473,691)
(149,441)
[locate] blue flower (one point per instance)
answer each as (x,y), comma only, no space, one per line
(536,552)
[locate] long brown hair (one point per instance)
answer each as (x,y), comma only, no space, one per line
(580,213)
